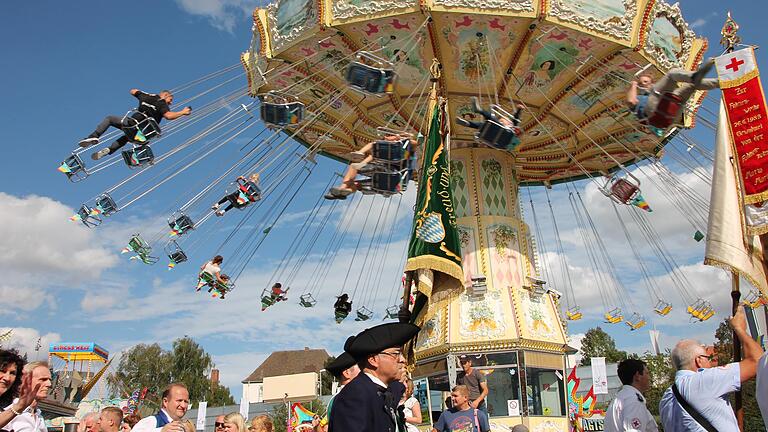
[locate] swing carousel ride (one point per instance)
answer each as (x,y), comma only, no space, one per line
(325,77)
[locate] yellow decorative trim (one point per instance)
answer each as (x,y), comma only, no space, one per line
(501,345)
(737,82)
(727,267)
(435,263)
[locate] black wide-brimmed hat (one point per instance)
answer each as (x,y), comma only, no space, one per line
(377,339)
(340,364)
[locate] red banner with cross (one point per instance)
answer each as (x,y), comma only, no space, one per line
(748,118)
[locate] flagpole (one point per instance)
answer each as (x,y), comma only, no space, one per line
(729,39)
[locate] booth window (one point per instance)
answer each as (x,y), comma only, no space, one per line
(503,377)
(546,396)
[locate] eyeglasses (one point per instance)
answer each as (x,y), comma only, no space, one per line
(706,356)
(395,355)
(219,425)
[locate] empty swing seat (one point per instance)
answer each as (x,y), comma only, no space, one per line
(106,205)
(282,114)
(180,224)
(636,321)
(88,216)
(363,314)
(496,135)
(666,111)
(178,257)
(614,316)
(754,299)
(74,168)
(391,312)
(371,74)
(142,250)
(139,127)
(662,308)
(307,301)
(138,156)
(574,313)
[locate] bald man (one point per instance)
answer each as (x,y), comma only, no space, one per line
(699,398)
(174,406)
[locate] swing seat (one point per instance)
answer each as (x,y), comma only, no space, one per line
(205,278)
(178,257)
(622,190)
(180,224)
(267,301)
(666,111)
(139,127)
(282,113)
(371,74)
(146,258)
(175,254)
(340,315)
(219,289)
(74,168)
(754,299)
(307,301)
(614,316)
(574,314)
(662,308)
(363,314)
(106,205)
(384,183)
(494,134)
(138,156)
(138,245)
(88,216)
(390,151)
(636,321)
(391,312)
(251,190)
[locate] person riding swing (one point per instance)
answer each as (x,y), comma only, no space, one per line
(138,126)
(247,191)
(499,131)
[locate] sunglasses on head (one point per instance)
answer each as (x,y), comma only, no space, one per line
(218,425)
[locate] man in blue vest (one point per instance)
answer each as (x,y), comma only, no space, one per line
(369,402)
(174,406)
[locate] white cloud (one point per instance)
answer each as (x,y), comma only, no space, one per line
(25,340)
(42,250)
(222,14)
(37,237)
(701,22)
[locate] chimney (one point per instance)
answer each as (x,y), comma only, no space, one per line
(214,376)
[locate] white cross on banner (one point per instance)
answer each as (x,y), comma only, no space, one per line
(736,65)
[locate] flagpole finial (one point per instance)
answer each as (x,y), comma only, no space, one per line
(729,37)
(435,70)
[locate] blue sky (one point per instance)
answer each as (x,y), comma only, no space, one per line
(66,65)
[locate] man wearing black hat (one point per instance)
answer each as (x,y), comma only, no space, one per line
(345,369)
(369,402)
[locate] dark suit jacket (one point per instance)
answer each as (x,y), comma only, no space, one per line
(363,406)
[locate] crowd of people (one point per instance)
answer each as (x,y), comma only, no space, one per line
(376,394)
(699,398)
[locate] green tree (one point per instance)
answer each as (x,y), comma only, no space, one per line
(724,354)
(597,343)
(280,413)
(662,375)
(154,368)
(142,366)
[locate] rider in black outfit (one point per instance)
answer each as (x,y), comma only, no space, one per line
(152,105)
